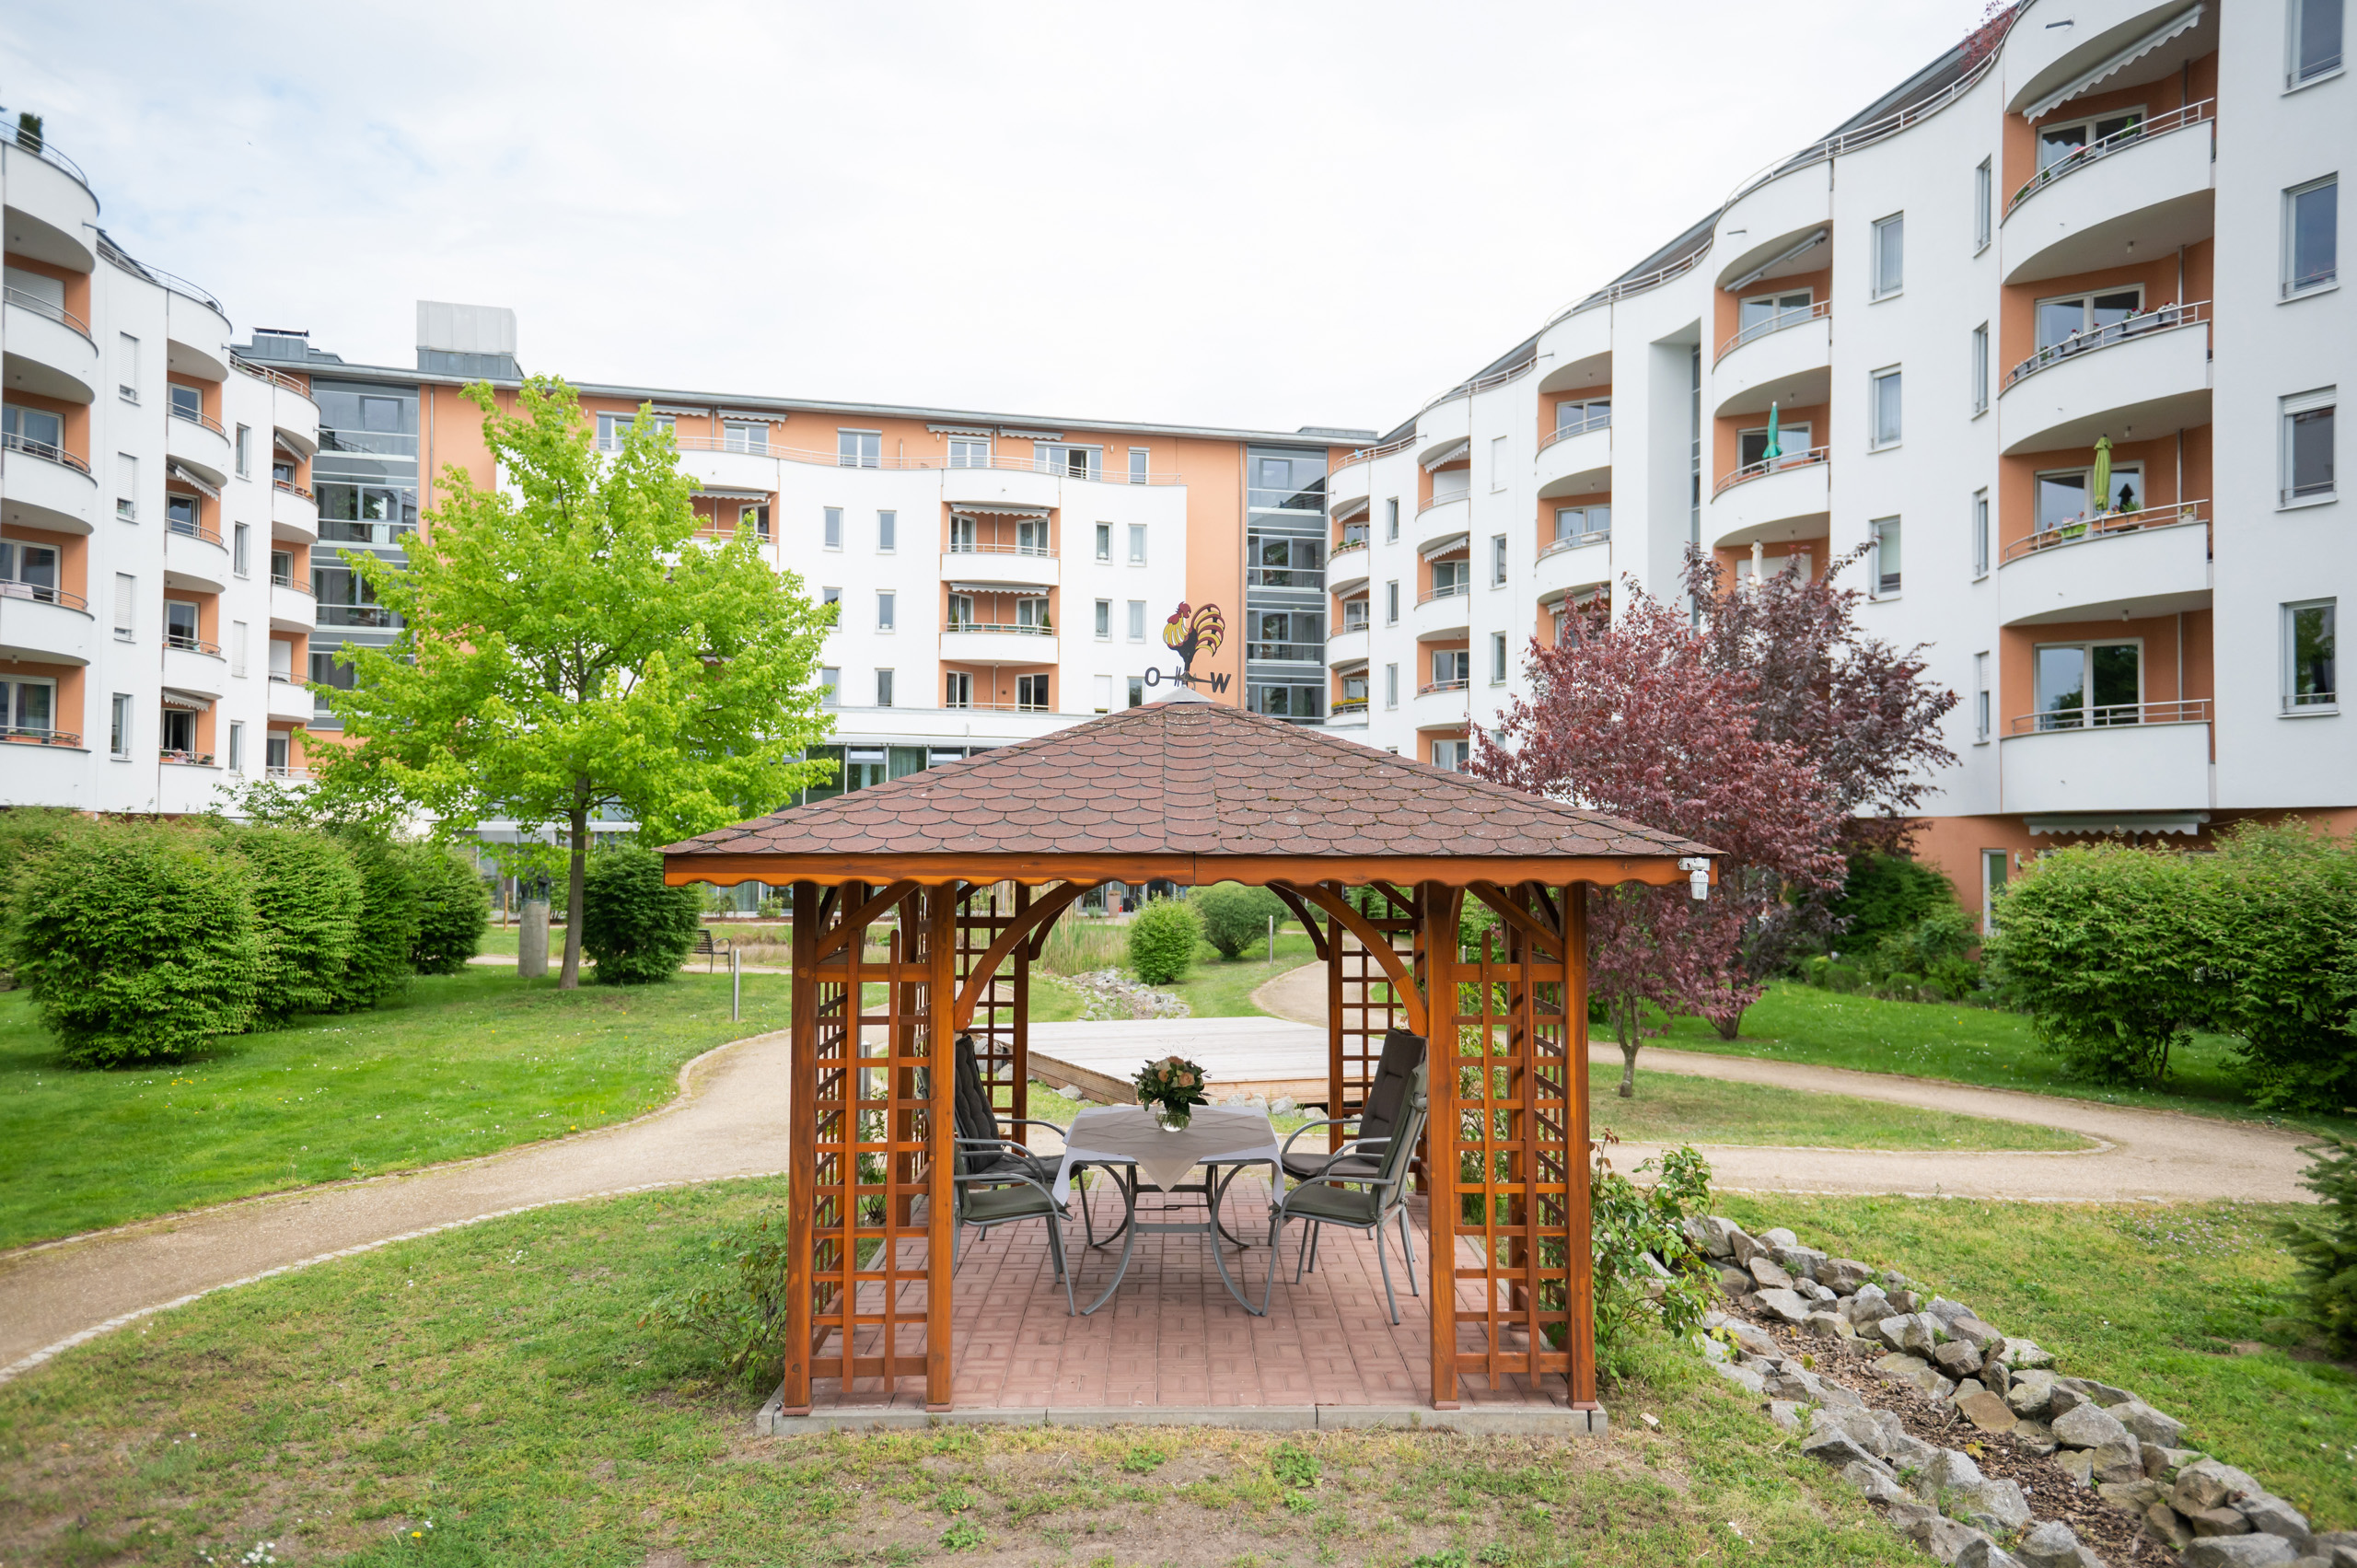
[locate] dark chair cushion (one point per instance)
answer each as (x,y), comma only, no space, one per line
(1387,1096)
(976,1120)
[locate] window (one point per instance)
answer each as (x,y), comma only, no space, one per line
(1984,201)
(1992,884)
(1391,603)
(2062,495)
(1577,524)
(1498,475)
(1104,620)
(1031,693)
(611,427)
(1452,668)
(275,755)
(1979,534)
(831,599)
(1390,685)
(1497,560)
(2311,235)
(1760,315)
(2058,143)
(29,707)
(238,648)
(245,451)
(1887,395)
(1497,658)
(1072,462)
(126,487)
(883,688)
(1890,255)
(1137,621)
(2307,446)
(755,520)
(33,430)
(179,624)
(859,450)
(1104,541)
(188,402)
(1983,719)
(2060,322)
(126,592)
(1587,414)
(831,680)
(1031,613)
(1792,442)
(237,747)
(2081,684)
(282,658)
(127,366)
(1981,369)
(1449,754)
(1885,531)
(2315,39)
(834,538)
(961,612)
(960,689)
(1451,577)
(179,736)
(884,610)
(27,570)
(887,529)
(1031,536)
(969,452)
(1137,465)
(180,515)
(119,727)
(1137,544)
(282,568)
(1137,690)
(744,435)
(1104,694)
(1391,525)
(1354,615)
(2310,678)
(238,546)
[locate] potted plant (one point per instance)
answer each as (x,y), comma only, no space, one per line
(1171,1088)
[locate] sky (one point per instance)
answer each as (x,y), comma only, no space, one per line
(1259,215)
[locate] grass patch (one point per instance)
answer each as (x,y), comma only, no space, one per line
(463,1065)
(1670,1108)
(495,1382)
(2189,1306)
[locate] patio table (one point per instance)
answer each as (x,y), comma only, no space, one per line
(1135,1148)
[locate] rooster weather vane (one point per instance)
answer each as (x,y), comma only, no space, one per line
(1189,631)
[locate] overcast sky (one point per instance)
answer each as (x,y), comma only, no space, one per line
(1263,215)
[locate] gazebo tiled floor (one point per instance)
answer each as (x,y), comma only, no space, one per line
(1173,1345)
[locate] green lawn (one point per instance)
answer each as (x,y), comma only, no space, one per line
(464,1065)
(2188,1305)
(1672,1109)
(489,1396)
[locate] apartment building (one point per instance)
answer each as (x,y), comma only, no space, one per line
(155,523)
(2055,328)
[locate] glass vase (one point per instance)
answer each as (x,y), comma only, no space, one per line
(1173,1119)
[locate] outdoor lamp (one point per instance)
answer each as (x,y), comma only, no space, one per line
(1699,880)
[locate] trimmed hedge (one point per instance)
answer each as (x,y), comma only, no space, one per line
(1235,916)
(453,909)
(1882,895)
(2278,923)
(1162,941)
(387,929)
(639,929)
(306,901)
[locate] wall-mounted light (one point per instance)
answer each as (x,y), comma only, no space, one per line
(1699,876)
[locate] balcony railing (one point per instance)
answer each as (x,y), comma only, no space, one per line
(1366,454)
(998,707)
(1767,466)
(41,593)
(1430,686)
(1008,628)
(1347,627)
(928,461)
(970,546)
(293,489)
(1285,652)
(40,307)
(357,615)
(1442,500)
(290,583)
(189,759)
(199,417)
(194,531)
(1775,323)
(1446,590)
(187,643)
(285,678)
(1345,707)
(1573,541)
(284,771)
(2118,141)
(34,734)
(264,373)
(11,441)
(2162,318)
(1284,576)
(1580,426)
(26,139)
(2080,531)
(2115,716)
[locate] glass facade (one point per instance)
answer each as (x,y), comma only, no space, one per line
(1284,582)
(366,478)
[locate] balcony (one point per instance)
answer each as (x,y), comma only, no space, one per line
(196,330)
(1786,359)
(188,783)
(48,487)
(45,624)
(995,565)
(2155,561)
(294,513)
(1439,705)
(2151,370)
(1443,516)
(2150,186)
(1029,486)
(292,608)
(43,767)
(1779,226)
(51,209)
(1575,460)
(1782,498)
(1348,486)
(50,352)
(1347,713)
(194,665)
(1443,612)
(1347,560)
(1567,566)
(2151,757)
(990,642)
(194,557)
(197,443)
(293,414)
(1446,424)
(1284,653)
(1348,645)
(290,699)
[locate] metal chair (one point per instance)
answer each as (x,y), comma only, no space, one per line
(1386,1097)
(1329,1198)
(1005,1195)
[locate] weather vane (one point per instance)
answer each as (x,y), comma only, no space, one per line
(1189,631)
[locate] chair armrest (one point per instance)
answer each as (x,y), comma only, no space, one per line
(1032,1121)
(1008,1179)
(1004,1146)
(1322,1122)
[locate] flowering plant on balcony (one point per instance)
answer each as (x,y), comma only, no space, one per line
(1172,1087)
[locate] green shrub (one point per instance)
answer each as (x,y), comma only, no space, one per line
(453,908)
(1883,894)
(740,1307)
(306,900)
(27,832)
(1162,941)
(2322,1238)
(380,968)
(136,941)
(1634,1227)
(1235,916)
(637,929)
(2100,944)
(2279,934)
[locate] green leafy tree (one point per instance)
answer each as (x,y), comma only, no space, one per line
(1162,941)
(569,649)
(2278,919)
(1236,917)
(453,907)
(1883,894)
(380,968)
(306,901)
(2322,1238)
(638,929)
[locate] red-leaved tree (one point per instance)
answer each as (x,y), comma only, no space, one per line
(1638,719)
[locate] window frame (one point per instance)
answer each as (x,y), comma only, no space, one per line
(2293,287)
(2294,28)
(1137,544)
(2085,299)
(2291,410)
(2329,702)
(745,436)
(1990,886)
(1984,204)
(884,688)
(119,727)
(858,455)
(1104,542)
(1104,620)
(1390,686)
(830,685)
(887,611)
(1137,621)
(1887,585)
(11,702)
(2087,706)
(1883,229)
(1984,702)
(1875,381)
(1391,522)
(245,441)
(1391,602)
(1981,540)
(1980,370)
(830,528)
(887,531)
(1497,561)
(1497,658)
(1140,457)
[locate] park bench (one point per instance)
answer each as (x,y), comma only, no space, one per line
(707,949)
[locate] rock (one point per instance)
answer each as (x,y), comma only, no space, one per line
(2127,1498)
(1734,1283)
(1703,1234)
(1866,1305)
(1742,1377)
(2164,1463)
(1996,1373)
(1743,1247)
(1912,1332)
(1976,1333)
(2090,1426)
(1712,1349)
(2049,1544)
(2029,1392)
(1987,1412)
(1875,1480)
(1785,1413)
(1839,1396)
(1780,1236)
(1946,1311)
(2164,1524)
(1907,1517)
(2239,1551)
(1970,1386)
(1834,1446)
(1902,1447)
(2149,1424)
(1986,1553)
(1783,1305)
(2206,1484)
(1994,1505)
(1906,1300)
(1957,1359)
(1752,1338)
(1816,1292)
(1771,1277)
(1825,1325)
(1948,1469)
(2218,1521)
(2066,1398)
(2270,1514)
(2077,1466)
(1916,1373)
(2023,1355)
(2340,1546)
(1946,1540)
(1843,1274)
(2034,1437)
(2103,1394)
(2121,1462)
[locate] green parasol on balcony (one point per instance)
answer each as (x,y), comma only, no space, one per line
(2100,484)
(1773,450)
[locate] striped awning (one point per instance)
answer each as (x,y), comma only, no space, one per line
(999,509)
(2185,22)
(187,699)
(1448,546)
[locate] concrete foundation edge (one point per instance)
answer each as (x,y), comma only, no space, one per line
(772,1423)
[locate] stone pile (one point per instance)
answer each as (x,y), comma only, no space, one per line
(2099,1437)
(1109,994)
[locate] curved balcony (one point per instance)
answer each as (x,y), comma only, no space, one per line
(1442,613)
(196,667)
(1348,486)
(1574,459)
(290,700)
(2041,61)
(294,513)
(49,487)
(997,566)
(2152,756)
(1347,713)
(1442,515)
(1581,347)
(194,557)
(43,767)
(293,414)
(49,207)
(995,487)
(47,625)
(1785,497)
(2155,561)
(2150,186)
(292,608)
(188,783)
(983,642)
(1349,645)
(1787,359)
(196,330)
(1445,424)
(1570,564)
(50,352)
(2151,370)
(198,444)
(1346,563)
(1441,704)
(1768,228)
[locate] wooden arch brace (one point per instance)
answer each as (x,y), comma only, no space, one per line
(1038,918)
(1510,910)
(1292,901)
(834,941)
(1412,1001)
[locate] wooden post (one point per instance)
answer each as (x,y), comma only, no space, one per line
(801,1150)
(1580,1332)
(1023,1006)
(941,1125)
(1436,966)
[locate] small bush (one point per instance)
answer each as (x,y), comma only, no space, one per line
(1235,916)
(1883,894)
(740,1309)
(2278,918)
(27,832)
(1162,941)
(637,929)
(307,902)
(1645,1266)
(380,968)
(453,908)
(137,942)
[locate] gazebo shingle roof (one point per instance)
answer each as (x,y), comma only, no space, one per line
(1183,777)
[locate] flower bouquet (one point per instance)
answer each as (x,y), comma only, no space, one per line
(1173,1087)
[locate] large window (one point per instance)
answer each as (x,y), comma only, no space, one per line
(2062,495)
(2083,684)
(180,623)
(2080,314)
(1295,483)
(1072,462)
(2060,143)
(1575,415)
(1295,635)
(34,430)
(1765,313)
(2311,677)
(744,435)
(1573,523)
(29,708)
(1031,693)
(1282,562)
(2314,39)
(1887,389)
(1449,754)
(27,570)
(1137,465)
(1452,670)
(2307,446)
(1751,445)
(859,450)
(1890,255)
(969,452)
(613,428)
(2311,235)
(1451,577)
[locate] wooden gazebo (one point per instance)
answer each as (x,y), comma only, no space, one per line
(972,863)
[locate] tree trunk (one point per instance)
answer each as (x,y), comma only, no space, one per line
(1624,1014)
(574,877)
(1730,1026)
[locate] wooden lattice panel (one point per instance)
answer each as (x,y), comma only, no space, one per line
(1363,1006)
(998,1022)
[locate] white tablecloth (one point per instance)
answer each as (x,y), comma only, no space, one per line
(1129,1132)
